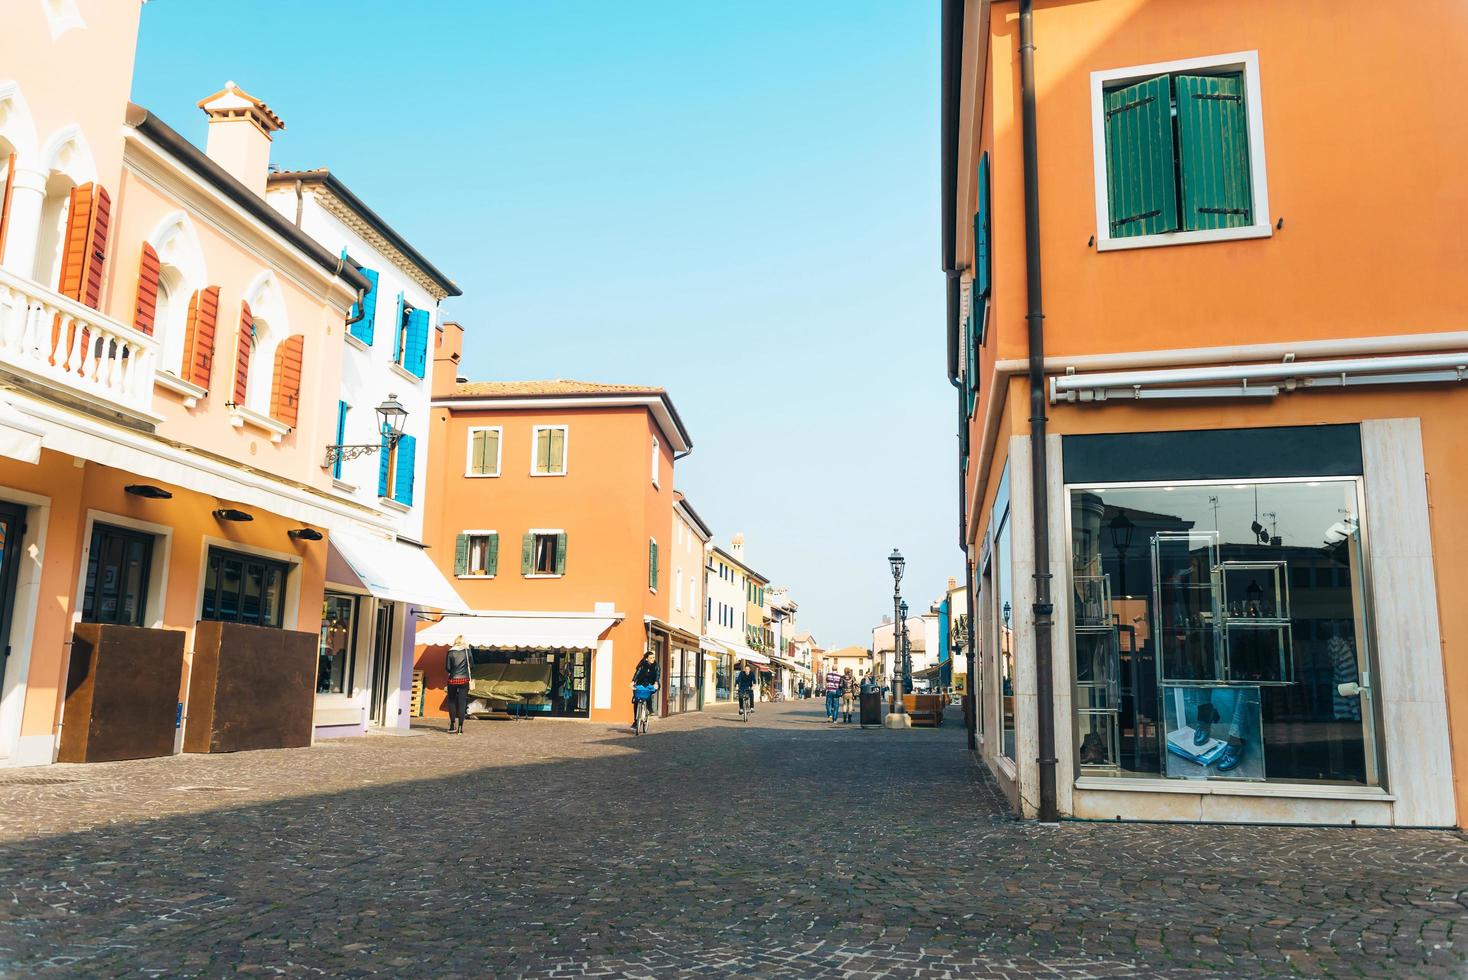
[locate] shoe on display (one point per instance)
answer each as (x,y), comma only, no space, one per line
(1233,754)
(1202,734)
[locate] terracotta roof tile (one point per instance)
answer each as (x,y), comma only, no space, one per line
(557,386)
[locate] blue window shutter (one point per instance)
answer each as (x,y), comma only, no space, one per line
(407,451)
(363,328)
(981,230)
(397,335)
(385,463)
(341,436)
(415,353)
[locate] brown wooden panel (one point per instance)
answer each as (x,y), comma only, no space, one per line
(121,693)
(253,688)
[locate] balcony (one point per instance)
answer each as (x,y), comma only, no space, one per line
(46,337)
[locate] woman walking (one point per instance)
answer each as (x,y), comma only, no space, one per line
(848,695)
(456,663)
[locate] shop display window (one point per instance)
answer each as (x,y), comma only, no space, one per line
(338,640)
(1220,631)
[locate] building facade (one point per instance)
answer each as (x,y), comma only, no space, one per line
(552,513)
(1250,466)
(369,609)
(730,587)
(685,672)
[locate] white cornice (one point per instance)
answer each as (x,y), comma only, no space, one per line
(653,403)
(342,212)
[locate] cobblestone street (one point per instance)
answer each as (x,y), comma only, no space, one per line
(777,848)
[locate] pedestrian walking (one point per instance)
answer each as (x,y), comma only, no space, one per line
(457,663)
(848,695)
(833,695)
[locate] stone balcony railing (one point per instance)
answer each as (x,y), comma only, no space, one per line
(51,338)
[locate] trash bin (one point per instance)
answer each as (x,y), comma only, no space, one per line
(871,709)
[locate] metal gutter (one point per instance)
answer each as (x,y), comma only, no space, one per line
(221,180)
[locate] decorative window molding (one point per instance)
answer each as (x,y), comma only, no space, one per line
(62,16)
(240,416)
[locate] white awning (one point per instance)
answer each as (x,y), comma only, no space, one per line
(712,646)
(20,435)
(391,569)
(742,652)
(521,630)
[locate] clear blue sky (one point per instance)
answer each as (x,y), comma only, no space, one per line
(736,201)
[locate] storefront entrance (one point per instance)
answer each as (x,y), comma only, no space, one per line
(685,680)
(570,683)
(381,660)
(12,530)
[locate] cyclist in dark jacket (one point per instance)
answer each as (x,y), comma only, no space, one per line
(746,680)
(646,675)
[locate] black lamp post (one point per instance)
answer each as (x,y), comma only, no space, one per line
(1121,539)
(906,650)
(898,564)
(391,416)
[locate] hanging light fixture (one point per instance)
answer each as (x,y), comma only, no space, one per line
(391,418)
(147,491)
(304,534)
(230,514)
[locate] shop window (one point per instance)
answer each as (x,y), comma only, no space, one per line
(1219,631)
(550,451)
(338,644)
(119,563)
(243,588)
(1005,615)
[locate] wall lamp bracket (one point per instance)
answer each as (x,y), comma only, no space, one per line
(230,514)
(304,534)
(148,491)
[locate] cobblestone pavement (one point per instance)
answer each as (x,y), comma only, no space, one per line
(780,848)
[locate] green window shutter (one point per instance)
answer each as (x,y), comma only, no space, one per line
(1213,151)
(1141,176)
(527,555)
(560,554)
(981,230)
(492,557)
(461,554)
(652,564)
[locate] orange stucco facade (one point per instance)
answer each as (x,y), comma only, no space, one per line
(606,504)
(1361,255)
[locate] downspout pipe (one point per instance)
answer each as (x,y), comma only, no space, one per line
(951,73)
(1044,608)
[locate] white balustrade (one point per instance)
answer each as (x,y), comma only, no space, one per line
(46,335)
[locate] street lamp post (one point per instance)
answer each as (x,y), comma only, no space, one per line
(906,650)
(897,717)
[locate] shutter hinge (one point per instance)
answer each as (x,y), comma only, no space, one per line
(1223,211)
(1136,217)
(1130,105)
(1216,97)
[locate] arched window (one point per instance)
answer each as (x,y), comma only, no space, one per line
(181,274)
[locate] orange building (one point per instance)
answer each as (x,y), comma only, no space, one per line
(552,510)
(1222,258)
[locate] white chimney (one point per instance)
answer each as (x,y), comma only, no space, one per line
(736,546)
(239,135)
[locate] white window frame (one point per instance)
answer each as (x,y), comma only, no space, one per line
(159,562)
(565,448)
(654,543)
(553,531)
(477,533)
(678,588)
(655,461)
(1246,62)
(499,451)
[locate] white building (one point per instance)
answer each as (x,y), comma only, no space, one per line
(923,637)
(726,612)
(366,680)
(692,668)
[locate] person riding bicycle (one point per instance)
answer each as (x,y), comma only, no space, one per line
(646,675)
(745,682)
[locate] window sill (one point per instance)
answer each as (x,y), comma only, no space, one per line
(239,417)
(481,476)
(343,486)
(474,576)
(396,505)
(533,473)
(1185,238)
(546,575)
(354,341)
(190,392)
(407,375)
(1199,787)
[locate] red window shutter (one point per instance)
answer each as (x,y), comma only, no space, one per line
(84,255)
(96,254)
(244,343)
(5,204)
(285,389)
(145,309)
(198,359)
(74,249)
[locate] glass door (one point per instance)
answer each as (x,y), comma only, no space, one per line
(381,661)
(12,530)
(118,564)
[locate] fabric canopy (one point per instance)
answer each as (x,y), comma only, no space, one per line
(20,435)
(712,646)
(742,652)
(521,630)
(391,569)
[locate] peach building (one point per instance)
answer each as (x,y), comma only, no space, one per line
(171,349)
(553,511)
(1223,262)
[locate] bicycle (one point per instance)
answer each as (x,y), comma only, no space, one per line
(745,707)
(642,707)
